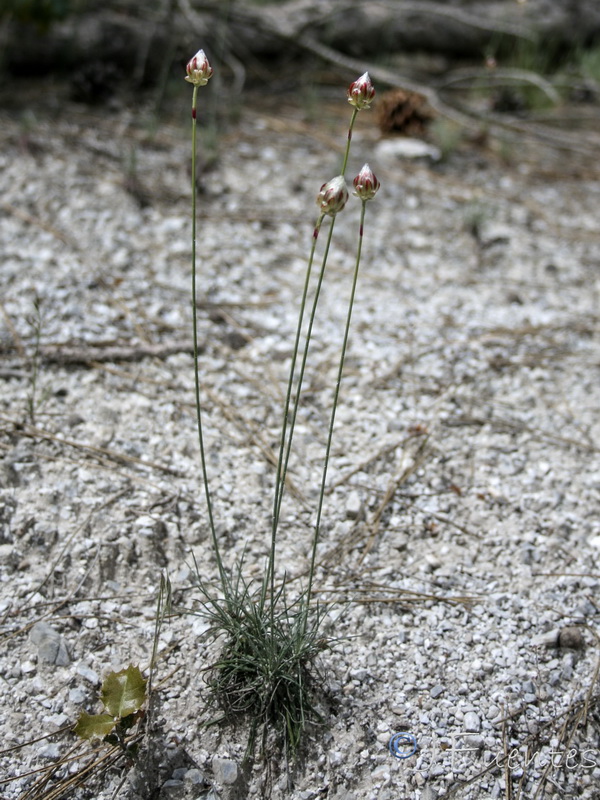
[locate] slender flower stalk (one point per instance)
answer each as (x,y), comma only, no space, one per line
(282,460)
(289,420)
(348,141)
(331,199)
(366,186)
(198,73)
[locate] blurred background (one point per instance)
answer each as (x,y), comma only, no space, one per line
(452,70)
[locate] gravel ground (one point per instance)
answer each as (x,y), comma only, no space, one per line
(462,535)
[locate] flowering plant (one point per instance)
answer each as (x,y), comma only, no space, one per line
(270,640)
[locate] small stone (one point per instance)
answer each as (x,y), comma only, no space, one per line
(49,751)
(353,506)
(407,148)
(554,677)
(472,722)
(172,783)
(52,648)
(419,779)
(586,609)
(8,553)
(567,672)
(571,637)
(474,741)
(380,773)
(437,691)
(89,674)
(225,770)
(548,639)
(77,696)
(193,777)
(179,773)
(432,562)
(544,692)
(493,233)
(58,720)
(172,789)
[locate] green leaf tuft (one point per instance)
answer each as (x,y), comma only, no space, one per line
(124,692)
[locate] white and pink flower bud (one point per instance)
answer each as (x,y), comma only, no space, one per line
(198,69)
(361,92)
(333,196)
(366,184)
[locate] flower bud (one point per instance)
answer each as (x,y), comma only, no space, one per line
(366,184)
(361,92)
(333,196)
(198,69)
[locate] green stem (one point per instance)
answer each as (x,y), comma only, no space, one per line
(211,521)
(311,322)
(334,409)
(281,468)
(347,153)
(284,457)
(286,446)
(283,461)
